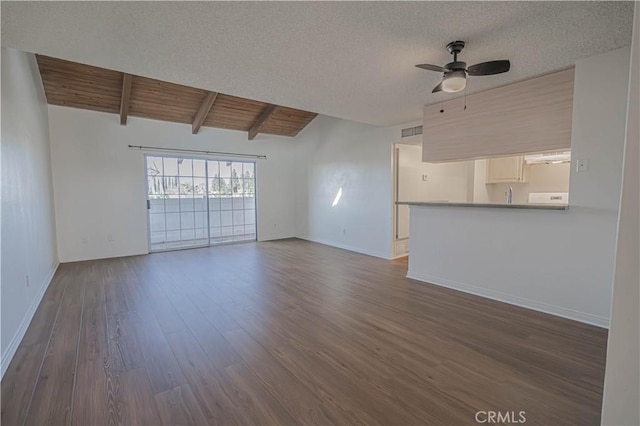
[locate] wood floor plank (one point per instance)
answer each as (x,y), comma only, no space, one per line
(178,406)
(248,392)
(386,385)
(205,381)
(290,332)
(168,318)
(134,291)
(275,378)
(20,378)
(216,316)
(135,403)
(19,381)
(340,396)
(124,352)
(217,349)
(39,330)
(214,345)
(337,380)
(307,408)
(93,402)
(52,398)
(158,359)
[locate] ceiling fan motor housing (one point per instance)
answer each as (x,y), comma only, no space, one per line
(456,66)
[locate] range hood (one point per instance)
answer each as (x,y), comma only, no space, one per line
(548,158)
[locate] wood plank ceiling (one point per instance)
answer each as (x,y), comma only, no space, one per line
(83,86)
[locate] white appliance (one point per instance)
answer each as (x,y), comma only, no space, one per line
(549,198)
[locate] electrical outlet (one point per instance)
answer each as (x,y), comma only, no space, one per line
(424,178)
(110,237)
(344,232)
(83,240)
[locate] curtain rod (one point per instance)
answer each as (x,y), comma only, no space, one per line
(195,151)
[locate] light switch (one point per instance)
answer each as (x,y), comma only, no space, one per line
(582,166)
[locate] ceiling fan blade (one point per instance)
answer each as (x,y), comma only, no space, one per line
(438,88)
(489,68)
(430,67)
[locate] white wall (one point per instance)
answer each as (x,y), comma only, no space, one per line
(100,188)
(100,184)
(559,262)
(334,154)
(445,181)
(28,233)
(451,182)
(622,376)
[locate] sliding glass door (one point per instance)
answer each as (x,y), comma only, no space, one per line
(232,206)
(195,202)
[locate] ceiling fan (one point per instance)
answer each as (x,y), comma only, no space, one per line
(454,77)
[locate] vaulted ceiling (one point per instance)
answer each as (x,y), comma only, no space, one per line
(83,86)
(353,60)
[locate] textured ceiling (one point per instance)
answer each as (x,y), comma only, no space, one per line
(353,60)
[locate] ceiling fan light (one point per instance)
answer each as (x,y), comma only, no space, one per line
(454,81)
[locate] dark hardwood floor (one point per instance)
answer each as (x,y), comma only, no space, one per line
(289,332)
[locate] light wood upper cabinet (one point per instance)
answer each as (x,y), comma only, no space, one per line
(506,170)
(529,116)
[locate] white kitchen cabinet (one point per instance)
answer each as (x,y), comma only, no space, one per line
(506,170)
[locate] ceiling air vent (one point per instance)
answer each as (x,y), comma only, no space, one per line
(411,131)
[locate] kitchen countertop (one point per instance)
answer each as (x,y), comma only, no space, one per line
(491,206)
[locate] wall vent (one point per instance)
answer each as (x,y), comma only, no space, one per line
(411,131)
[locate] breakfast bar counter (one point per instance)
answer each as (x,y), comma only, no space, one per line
(485,205)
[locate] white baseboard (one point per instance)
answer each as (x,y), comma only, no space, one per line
(26,320)
(345,247)
(275,238)
(515,300)
(103,256)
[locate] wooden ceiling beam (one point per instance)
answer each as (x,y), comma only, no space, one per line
(266,115)
(203,112)
(124,98)
(99,89)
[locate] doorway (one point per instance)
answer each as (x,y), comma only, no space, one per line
(404,157)
(196,202)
